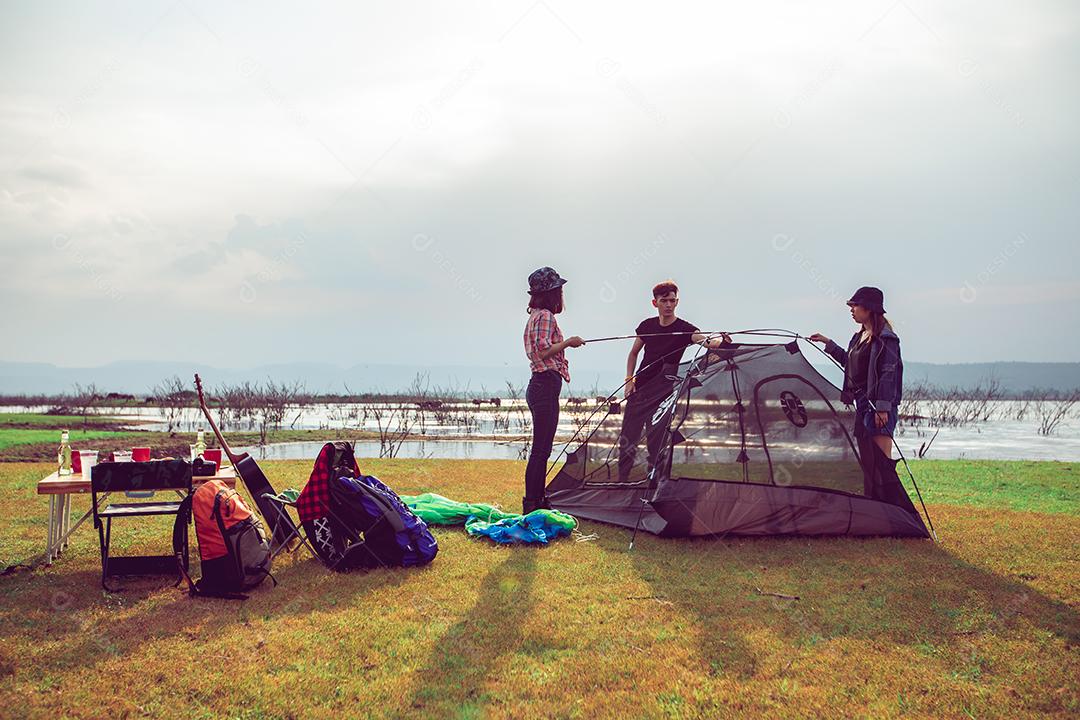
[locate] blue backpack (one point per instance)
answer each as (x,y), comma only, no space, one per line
(376,528)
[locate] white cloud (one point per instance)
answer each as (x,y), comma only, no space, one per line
(181,162)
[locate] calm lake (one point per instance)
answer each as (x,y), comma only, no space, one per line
(493,433)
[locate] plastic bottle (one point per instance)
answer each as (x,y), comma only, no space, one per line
(63,454)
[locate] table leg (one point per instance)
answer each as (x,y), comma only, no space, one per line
(66,519)
(85,516)
(52,530)
(61,527)
(58,524)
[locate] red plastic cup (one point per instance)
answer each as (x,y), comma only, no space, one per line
(212,455)
(140,454)
(76,462)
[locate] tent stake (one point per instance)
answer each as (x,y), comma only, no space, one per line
(641,511)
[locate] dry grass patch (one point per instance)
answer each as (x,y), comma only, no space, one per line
(983,624)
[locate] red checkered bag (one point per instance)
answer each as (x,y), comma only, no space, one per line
(335,460)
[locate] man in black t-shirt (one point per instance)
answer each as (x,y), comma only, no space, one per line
(664,338)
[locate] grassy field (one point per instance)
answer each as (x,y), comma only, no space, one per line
(985,623)
(29,437)
(52,421)
(13,437)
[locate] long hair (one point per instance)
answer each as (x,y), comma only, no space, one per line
(878,323)
(549,300)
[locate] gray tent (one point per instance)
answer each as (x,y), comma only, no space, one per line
(745,440)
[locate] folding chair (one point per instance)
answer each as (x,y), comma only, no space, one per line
(331,539)
(142,476)
(283,522)
(344,549)
(345,543)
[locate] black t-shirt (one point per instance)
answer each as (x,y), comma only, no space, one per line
(670,347)
(858,369)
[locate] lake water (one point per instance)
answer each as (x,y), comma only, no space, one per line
(496,431)
(994,440)
(447,449)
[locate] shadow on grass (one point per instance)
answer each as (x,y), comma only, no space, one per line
(466,655)
(64,609)
(910,592)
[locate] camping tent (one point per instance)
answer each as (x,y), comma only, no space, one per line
(750,440)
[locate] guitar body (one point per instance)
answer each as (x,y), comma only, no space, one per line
(280,523)
(257,484)
(252,475)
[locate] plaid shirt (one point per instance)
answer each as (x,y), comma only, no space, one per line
(314,501)
(541,332)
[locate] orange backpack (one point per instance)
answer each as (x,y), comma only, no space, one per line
(233,548)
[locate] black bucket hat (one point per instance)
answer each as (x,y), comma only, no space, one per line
(870,298)
(543,280)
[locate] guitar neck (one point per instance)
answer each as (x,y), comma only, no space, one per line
(233,457)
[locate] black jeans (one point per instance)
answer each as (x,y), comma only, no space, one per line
(543,400)
(637,417)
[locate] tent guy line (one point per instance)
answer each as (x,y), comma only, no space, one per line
(774,332)
(769,332)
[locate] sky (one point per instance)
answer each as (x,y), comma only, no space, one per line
(250,183)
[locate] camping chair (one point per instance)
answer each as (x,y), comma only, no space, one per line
(125,477)
(354,555)
(346,544)
(283,522)
(329,537)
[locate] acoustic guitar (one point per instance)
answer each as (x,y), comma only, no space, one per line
(254,480)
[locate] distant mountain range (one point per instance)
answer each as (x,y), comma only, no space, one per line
(139,377)
(1013,376)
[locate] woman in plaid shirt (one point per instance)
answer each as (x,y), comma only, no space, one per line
(545,348)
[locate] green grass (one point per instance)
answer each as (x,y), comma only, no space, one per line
(1026,486)
(39,435)
(10,437)
(24,437)
(56,421)
(985,623)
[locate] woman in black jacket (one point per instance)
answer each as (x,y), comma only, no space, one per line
(873,377)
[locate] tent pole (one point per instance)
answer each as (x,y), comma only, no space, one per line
(915,485)
(588,420)
(669,448)
(918,493)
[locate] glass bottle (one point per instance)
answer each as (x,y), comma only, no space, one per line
(63,454)
(200,444)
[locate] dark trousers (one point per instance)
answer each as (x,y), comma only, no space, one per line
(880,481)
(870,462)
(637,418)
(879,472)
(542,397)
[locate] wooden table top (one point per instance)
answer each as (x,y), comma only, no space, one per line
(56,485)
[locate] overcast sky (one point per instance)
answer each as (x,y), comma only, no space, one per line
(261,182)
